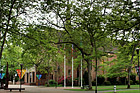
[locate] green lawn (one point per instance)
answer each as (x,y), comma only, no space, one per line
(118,87)
(103,88)
(127,91)
(78,89)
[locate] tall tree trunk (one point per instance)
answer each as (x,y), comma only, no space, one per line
(96,66)
(89,74)
(128,84)
(79,78)
(2,46)
(48,72)
(129,68)
(7,76)
(48,78)
(7,26)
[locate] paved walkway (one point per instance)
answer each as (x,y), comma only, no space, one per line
(41,89)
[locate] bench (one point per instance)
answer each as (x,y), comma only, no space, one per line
(15,89)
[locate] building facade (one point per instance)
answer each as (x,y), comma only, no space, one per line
(30,77)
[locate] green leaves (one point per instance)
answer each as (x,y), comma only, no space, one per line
(12,55)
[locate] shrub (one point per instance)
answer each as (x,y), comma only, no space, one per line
(53,85)
(133,78)
(68,82)
(46,85)
(52,82)
(93,83)
(119,83)
(76,82)
(16,79)
(122,80)
(137,82)
(113,80)
(85,77)
(107,83)
(60,85)
(100,79)
(131,82)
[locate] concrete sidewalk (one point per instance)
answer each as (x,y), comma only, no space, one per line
(42,89)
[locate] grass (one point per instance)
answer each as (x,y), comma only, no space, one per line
(78,89)
(104,88)
(126,91)
(118,87)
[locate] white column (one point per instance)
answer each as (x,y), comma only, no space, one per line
(72,65)
(64,68)
(64,71)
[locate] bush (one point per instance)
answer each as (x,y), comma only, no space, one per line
(60,85)
(68,82)
(75,82)
(46,85)
(85,77)
(133,78)
(113,80)
(131,82)
(53,85)
(16,79)
(137,82)
(107,83)
(93,83)
(52,82)
(100,79)
(50,85)
(122,80)
(118,83)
